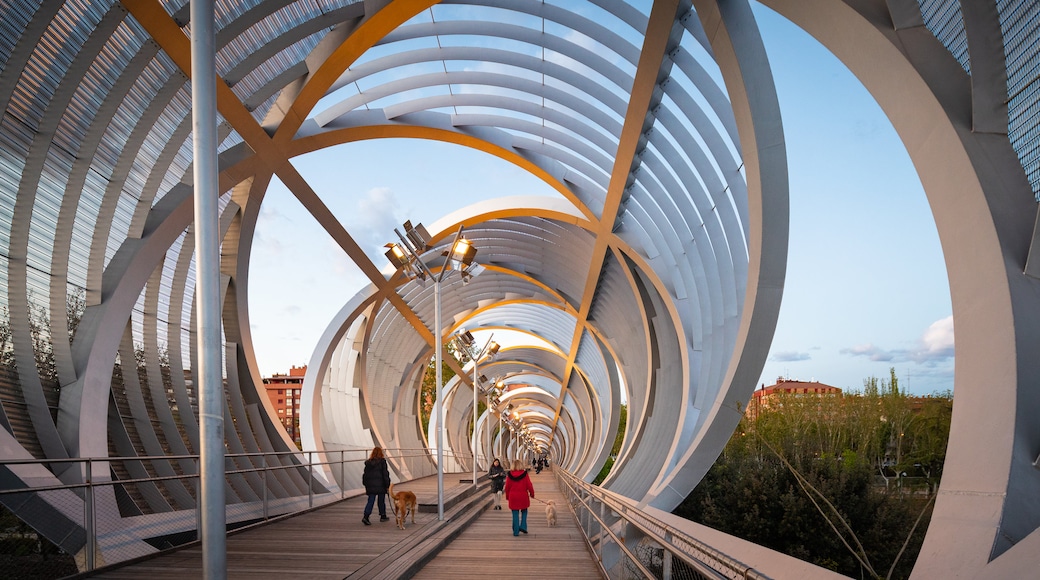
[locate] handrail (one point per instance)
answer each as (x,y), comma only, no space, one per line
(606,528)
(79,503)
(704,559)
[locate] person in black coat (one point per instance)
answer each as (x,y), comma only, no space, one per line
(497,475)
(376,480)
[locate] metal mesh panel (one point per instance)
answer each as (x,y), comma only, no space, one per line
(944,19)
(1022,55)
(25,552)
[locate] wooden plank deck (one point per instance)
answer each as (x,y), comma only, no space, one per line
(331,542)
(488,549)
(328,542)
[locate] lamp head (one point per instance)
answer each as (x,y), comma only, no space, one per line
(463,252)
(417,236)
(397,256)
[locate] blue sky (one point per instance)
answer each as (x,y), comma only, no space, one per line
(866,286)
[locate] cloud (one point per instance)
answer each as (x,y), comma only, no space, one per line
(935,346)
(790,356)
(271,221)
(373,219)
(870,351)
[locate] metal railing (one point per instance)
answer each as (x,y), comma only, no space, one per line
(100,511)
(628,543)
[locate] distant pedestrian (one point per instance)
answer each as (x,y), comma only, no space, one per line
(497,475)
(519,490)
(376,480)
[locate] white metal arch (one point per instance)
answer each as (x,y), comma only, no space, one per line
(680,262)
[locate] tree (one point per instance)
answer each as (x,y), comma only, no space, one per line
(428,392)
(801,478)
(619,439)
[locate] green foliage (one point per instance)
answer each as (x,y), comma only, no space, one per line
(604,471)
(26,555)
(428,393)
(619,439)
(831,450)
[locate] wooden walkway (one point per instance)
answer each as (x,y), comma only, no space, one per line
(331,542)
(488,549)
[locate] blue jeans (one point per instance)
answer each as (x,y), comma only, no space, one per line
(382,504)
(519,521)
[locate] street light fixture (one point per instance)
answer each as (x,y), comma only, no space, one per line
(406,256)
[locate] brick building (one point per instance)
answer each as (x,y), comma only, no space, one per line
(765,397)
(284,392)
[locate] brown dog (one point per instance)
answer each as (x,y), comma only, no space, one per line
(404,502)
(550,513)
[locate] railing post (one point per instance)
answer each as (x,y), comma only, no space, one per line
(667,564)
(88,517)
(310,479)
(263,463)
(198,499)
(602,525)
(342,477)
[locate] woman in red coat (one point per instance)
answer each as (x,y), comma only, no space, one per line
(519,491)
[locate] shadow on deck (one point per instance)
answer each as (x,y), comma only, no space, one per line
(331,542)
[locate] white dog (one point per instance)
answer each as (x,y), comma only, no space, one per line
(550,513)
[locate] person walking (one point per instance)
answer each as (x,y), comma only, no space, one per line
(519,490)
(497,475)
(376,480)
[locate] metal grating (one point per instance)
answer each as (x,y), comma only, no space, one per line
(1022,56)
(944,19)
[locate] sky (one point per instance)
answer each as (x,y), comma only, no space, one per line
(866,288)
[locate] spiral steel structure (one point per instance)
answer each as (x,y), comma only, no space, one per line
(654,278)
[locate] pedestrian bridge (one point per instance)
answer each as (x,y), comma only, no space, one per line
(596,536)
(138,145)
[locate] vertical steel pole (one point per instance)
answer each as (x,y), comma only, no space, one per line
(439,405)
(475,423)
(89,519)
(207,264)
(602,529)
(310,479)
(263,462)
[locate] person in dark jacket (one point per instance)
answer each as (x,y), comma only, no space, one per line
(519,490)
(376,480)
(497,475)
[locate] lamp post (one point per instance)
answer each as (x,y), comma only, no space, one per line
(512,431)
(492,390)
(487,431)
(459,256)
(500,438)
(466,343)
